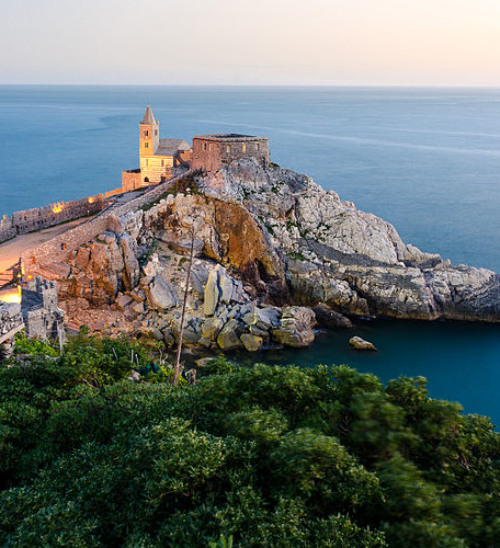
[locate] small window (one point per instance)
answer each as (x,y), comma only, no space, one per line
(258,146)
(204,146)
(147,163)
(244,147)
(146,145)
(162,163)
(156,132)
(146,133)
(228,149)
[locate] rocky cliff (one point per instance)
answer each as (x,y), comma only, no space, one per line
(270,245)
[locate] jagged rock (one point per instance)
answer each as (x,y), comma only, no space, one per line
(190,337)
(212,293)
(252,343)
(132,270)
(115,224)
(212,327)
(326,317)
(82,258)
(160,295)
(168,337)
(296,327)
(360,344)
(228,338)
(153,266)
(262,319)
(183,247)
(282,240)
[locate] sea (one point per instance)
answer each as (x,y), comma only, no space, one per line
(425,159)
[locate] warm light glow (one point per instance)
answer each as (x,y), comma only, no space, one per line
(57,209)
(90,200)
(11,295)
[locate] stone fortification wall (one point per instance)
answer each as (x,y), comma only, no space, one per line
(29,220)
(7,230)
(131,180)
(55,249)
(11,320)
(211,152)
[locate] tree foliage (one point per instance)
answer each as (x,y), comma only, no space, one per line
(262,456)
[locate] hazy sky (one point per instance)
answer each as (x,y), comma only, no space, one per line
(338,42)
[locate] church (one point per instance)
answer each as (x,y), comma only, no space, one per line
(159,157)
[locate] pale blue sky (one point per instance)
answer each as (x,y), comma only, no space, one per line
(330,42)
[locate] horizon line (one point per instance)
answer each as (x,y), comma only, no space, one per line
(262,85)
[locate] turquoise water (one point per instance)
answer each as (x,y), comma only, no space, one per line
(427,160)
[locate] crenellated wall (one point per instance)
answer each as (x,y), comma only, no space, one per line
(29,220)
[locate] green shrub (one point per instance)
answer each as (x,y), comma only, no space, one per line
(263,456)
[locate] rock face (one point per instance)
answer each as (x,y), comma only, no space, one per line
(269,246)
(296,327)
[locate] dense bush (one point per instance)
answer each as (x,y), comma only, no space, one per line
(267,456)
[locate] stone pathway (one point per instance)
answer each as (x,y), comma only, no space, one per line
(10,251)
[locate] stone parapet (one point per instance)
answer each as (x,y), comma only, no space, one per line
(29,220)
(55,250)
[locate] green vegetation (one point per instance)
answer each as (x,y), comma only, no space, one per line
(263,456)
(152,248)
(296,255)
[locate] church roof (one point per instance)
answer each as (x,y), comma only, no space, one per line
(148,117)
(168,147)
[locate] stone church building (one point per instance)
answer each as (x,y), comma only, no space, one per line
(158,157)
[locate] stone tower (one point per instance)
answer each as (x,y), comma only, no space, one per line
(149,140)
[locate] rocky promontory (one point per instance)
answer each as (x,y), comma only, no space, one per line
(274,254)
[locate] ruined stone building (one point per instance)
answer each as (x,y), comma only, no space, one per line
(211,152)
(37,313)
(42,318)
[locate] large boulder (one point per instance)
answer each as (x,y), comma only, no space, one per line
(212,293)
(228,338)
(360,344)
(160,296)
(326,317)
(252,343)
(212,327)
(263,319)
(296,327)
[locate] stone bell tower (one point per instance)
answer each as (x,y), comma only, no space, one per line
(149,139)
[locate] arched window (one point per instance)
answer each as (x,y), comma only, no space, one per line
(146,133)
(244,147)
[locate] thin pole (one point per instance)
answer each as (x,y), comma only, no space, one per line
(177,369)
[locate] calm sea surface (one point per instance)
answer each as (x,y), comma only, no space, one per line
(427,160)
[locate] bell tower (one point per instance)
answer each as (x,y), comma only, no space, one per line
(149,135)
